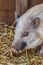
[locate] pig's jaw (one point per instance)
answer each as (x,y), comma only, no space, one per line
(33,43)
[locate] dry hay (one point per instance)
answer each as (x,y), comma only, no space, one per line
(7,57)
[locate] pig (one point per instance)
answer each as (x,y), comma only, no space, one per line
(29,30)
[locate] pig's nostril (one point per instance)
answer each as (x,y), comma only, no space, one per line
(23,45)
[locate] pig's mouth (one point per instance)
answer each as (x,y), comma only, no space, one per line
(13,49)
(33,44)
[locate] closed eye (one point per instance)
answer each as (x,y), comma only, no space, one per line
(25,34)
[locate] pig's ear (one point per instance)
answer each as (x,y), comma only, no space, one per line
(35,22)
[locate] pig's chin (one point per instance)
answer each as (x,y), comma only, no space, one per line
(15,51)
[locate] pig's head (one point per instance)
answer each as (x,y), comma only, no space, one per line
(28,33)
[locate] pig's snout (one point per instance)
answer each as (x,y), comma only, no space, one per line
(21,46)
(18,47)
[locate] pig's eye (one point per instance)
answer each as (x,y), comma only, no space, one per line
(35,22)
(25,34)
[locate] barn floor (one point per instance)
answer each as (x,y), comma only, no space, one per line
(7,57)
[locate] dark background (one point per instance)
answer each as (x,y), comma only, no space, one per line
(8,8)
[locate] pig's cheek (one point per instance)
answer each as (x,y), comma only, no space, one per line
(40,32)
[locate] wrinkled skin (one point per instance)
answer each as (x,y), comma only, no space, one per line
(29,29)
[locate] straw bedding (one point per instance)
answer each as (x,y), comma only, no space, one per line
(7,57)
